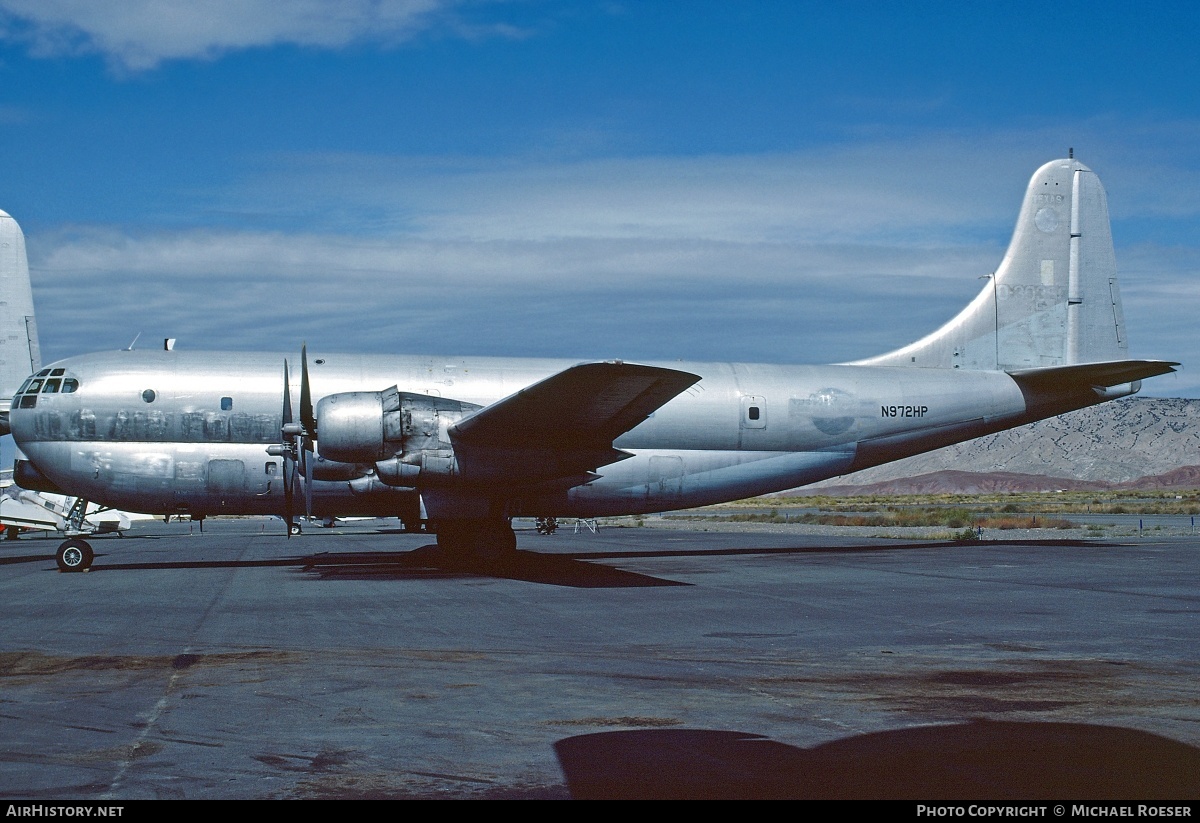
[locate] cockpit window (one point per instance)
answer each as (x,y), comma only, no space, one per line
(48,385)
(57,372)
(44,373)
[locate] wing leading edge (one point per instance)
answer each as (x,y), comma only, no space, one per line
(564,426)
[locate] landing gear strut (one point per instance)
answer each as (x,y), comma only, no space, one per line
(482,539)
(74,555)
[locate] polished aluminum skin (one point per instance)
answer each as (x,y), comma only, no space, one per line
(458,439)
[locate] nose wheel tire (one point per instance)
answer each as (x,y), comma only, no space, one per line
(294,528)
(74,555)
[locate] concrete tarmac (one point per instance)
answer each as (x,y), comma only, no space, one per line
(356,662)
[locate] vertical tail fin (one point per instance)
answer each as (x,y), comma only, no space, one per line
(1053,301)
(20,355)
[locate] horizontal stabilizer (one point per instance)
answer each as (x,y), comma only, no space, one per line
(1095,375)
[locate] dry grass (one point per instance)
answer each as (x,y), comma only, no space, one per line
(1162,501)
(943,517)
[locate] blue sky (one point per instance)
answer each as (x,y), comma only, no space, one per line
(756,181)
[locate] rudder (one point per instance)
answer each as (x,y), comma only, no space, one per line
(1053,300)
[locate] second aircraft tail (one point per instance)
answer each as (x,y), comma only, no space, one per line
(20,355)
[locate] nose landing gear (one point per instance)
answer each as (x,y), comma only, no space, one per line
(74,555)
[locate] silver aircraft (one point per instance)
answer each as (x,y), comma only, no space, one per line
(458,446)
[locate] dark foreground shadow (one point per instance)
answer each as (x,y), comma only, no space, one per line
(13,560)
(430,561)
(427,562)
(979,760)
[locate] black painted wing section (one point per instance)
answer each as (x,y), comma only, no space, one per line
(566,423)
(1098,375)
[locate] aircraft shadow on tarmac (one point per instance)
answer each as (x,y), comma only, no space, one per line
(574,569)
(430,561)
(577,569)
(976,760)
(427,562)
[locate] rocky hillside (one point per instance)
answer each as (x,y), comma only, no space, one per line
(1127,443)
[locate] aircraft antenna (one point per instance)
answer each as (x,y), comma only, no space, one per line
(1071,153)
(133,342)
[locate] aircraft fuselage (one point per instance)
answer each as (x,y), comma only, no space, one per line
(188,432)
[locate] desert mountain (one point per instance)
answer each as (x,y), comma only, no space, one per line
(1132,443)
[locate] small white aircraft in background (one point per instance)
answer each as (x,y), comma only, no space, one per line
(459,446)
(24,510)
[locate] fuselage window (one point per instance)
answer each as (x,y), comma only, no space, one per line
(52,385)
(70,384)
(148,395)
(753,413)
(226,403)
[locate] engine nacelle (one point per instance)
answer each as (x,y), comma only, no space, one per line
(372,427)
(28,476)
(325,469)
(350,427)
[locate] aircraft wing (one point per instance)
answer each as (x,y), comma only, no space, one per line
(565,424)
(1092,375)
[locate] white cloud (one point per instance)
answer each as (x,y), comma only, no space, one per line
(918,195)
(937,191)
(244,289)
(140,34)
(808,257)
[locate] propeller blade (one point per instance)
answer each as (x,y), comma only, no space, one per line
(288,494)
(287,395)
(306,407)
(309,459)
(289,469)
(293,482)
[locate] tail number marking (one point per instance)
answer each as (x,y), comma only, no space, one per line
(903,411)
